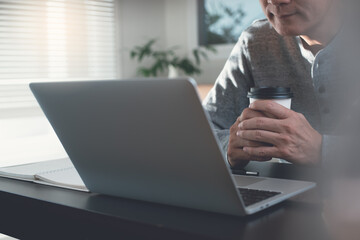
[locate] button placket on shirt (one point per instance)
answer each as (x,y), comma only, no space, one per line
(320,86)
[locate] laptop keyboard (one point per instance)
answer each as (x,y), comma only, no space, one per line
(252,196)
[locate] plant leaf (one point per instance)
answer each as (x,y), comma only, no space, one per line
(196,55)
(144,72)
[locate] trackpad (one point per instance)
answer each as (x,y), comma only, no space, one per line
(243,181)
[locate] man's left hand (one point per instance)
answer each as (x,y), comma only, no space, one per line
(289,134)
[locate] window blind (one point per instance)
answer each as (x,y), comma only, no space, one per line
(45,40)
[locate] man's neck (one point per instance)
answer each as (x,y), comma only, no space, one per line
(318,41)
(312,45)
(319,37)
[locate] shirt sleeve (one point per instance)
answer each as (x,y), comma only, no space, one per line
(329,143)
(228,98)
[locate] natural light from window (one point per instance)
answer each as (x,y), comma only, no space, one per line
(222,21)
(49,40)
(56,38)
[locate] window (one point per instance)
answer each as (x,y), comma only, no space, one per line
(44,40)
(222,21)
(48,40)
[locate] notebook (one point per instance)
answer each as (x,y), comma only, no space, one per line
(59,173)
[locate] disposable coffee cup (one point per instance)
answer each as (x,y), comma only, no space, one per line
(279,95)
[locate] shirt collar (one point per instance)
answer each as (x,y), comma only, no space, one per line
(329,49)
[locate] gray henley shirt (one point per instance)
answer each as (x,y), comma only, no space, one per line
(263,58)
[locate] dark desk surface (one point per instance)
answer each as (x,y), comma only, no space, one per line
(35,211)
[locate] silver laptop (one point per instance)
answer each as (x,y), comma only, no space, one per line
(151,140)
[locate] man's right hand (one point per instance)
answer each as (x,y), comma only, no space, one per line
(236,156)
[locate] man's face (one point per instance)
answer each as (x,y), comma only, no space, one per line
(298,17)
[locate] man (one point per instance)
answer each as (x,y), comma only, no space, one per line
(294,47)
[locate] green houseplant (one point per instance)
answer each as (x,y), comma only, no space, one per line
(168,59)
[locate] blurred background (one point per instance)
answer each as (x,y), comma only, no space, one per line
(63,40)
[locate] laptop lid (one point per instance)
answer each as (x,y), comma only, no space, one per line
(142,139)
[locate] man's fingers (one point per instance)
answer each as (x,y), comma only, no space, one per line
(263,152)
(260,159)
(237,157)
(238,142)
(248,114)
(260,136)
(271,107)
(261,123)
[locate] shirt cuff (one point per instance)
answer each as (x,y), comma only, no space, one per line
(328,147)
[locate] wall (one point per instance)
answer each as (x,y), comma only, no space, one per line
(175,24)
(140,20)
(182,28)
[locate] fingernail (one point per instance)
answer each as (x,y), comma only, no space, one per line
(238,133)
(245,149)
(240,125)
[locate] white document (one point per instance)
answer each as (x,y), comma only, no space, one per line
(60,173)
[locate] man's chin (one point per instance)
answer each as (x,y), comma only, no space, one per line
(288,31)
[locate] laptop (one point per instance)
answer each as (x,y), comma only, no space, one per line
(151,140)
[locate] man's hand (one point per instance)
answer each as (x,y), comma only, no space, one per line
(236,156)
(291,136)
